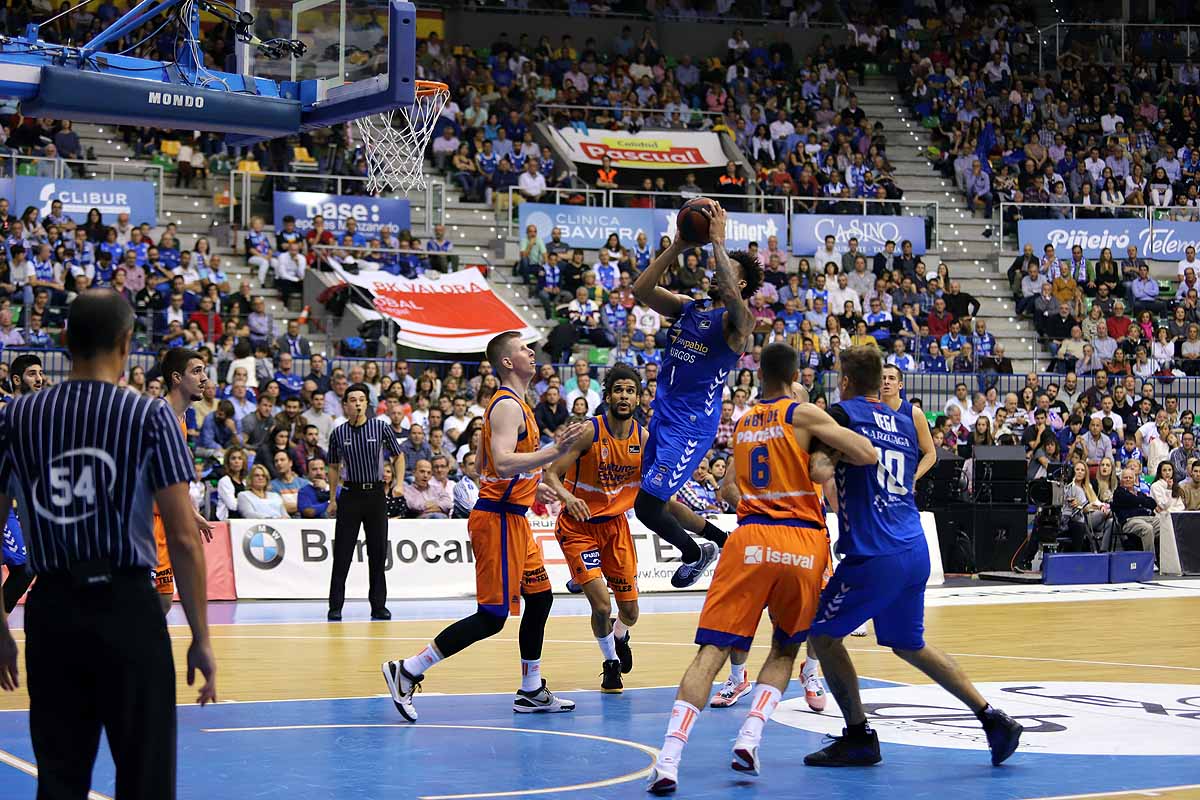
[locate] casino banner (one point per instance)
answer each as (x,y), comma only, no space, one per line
(292,559)
(873,231)
(457,312)
(682,150)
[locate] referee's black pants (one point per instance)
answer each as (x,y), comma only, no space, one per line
(356,507)
(100,658)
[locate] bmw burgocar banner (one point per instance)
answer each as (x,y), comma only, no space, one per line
(1161,239)
(587,226)
(370,214)
(740,228)
(138,199)
(873,231)
(291,559)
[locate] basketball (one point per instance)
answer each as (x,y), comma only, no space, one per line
(692,222)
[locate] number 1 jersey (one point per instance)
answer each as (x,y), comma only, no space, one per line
(877,512)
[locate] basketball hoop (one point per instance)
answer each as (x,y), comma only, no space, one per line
(395,140)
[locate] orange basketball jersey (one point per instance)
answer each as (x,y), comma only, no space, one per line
(519,490)
(772,469)
(607,476)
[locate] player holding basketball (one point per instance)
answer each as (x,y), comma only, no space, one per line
(508,561)
(706,341)
(602,472)
(777,558)
(884,568)
(185,379)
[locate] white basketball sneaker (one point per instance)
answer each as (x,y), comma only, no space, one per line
(402,686)
(814,693)
(729,693)
(541,701)
(664,777)
(745,758)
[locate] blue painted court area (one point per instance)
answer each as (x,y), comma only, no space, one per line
(474,746)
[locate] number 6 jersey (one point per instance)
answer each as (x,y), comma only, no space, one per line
(877,513)
(772,468)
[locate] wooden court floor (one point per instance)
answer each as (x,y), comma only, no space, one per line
(1113,641)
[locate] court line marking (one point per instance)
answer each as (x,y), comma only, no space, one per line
(31,769)
(619,779)
(1147,792)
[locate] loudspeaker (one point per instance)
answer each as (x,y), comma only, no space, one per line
(999,531)
(999,475)
(940,486)
(955,526)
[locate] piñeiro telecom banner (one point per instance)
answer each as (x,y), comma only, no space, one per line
(370,214)
(587,226)
(1160,239)
(138,199)
(685,150)
(873,231)
(740,228)
(455,313)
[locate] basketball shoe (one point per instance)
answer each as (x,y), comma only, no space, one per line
(730,693)
(402,687)
(541,701)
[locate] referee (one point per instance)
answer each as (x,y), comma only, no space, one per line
(356,464)
(83,459)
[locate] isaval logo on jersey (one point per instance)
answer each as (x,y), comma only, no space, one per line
(263,546)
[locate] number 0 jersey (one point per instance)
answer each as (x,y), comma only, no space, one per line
(772,468)
(877,513)
(606,477)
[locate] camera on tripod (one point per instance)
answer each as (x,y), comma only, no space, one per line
(1048,496)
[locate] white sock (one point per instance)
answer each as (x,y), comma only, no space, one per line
(620,629)
(422,661)
(679,727)
(531,675)
(737,672)
(761,708)
(608,647)
(809,670)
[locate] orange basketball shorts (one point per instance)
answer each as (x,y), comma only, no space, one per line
(777,566)
(508,561)
(164,575)
(600,549)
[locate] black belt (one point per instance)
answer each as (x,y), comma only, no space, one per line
(82,574)
(363,487)
(497,507)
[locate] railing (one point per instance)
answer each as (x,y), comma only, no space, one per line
(1012,213)
(248,197)
(652,118)
(64,168)
(1108,43)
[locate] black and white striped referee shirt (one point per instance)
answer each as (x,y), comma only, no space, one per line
(359,449)
(83,460)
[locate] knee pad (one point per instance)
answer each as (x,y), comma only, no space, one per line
(539,603)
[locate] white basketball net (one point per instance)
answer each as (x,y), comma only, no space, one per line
(395,142)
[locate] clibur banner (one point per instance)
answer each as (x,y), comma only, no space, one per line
(873,231)
(587,226)
(291,559)
(370,214)
(138,199)
(1159,239)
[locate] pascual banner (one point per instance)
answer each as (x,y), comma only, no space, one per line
(292,559)
(136,198)
(587,226)
(740,229)
(872,231)
(370,214)
(646,150)
(455,313)
(1158,239)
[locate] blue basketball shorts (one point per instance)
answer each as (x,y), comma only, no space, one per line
(12,544)
(889,589)
(673,451)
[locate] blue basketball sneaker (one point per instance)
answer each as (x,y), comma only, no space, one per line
(687,574)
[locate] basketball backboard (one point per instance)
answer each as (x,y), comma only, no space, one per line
(360,55)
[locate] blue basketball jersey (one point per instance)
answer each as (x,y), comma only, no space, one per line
(877,512)
(694,369)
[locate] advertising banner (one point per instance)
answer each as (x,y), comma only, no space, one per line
(683,150)
(1159,239)
(138,199)
(369,213)
(740,228)
(872,231)
(454,313)
(587,226)
(292,559)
